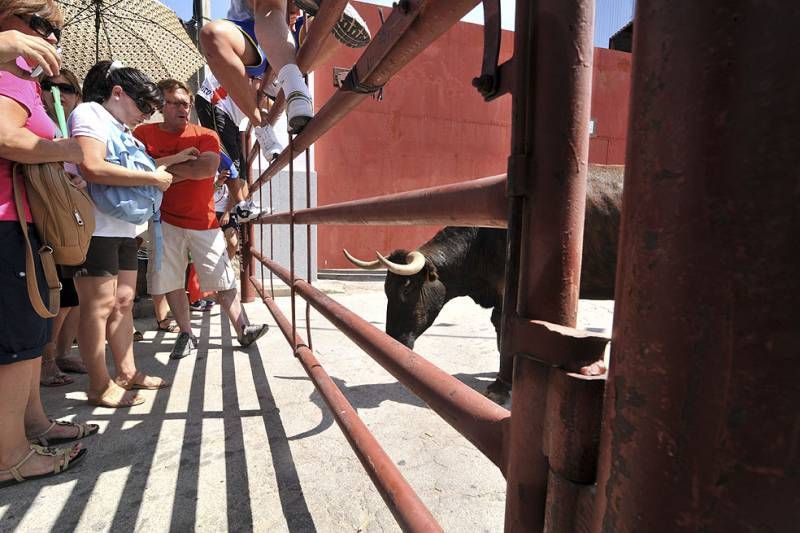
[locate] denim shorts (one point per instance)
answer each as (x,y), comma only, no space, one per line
(23,333)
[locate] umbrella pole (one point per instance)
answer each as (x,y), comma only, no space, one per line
(97,30)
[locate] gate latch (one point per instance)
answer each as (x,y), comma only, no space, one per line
(489,80)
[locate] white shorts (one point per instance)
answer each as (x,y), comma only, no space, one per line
(209,255)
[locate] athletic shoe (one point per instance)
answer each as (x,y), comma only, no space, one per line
(270,146)
(247,210)
(299,110)
(199,305)
(185,344)
(351,30)
(251,334)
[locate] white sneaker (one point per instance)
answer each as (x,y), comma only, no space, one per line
(299,110)
(248,210)
(268,141)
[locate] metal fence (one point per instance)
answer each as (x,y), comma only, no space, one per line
(656,474)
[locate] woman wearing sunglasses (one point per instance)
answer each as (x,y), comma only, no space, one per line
(26,136)
(117,98)
(33,49)
(56,358)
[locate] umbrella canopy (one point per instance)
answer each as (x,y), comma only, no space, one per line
(144,34)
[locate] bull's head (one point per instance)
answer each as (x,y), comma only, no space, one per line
(414,292)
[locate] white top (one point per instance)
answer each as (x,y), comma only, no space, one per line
(91,119)
(240,10)
(220,198)
(214,93)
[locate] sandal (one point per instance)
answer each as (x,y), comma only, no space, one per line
(170,327)
(52,376)
(137,383)
(84,430)
(124,401)
(71,364)
(138,336)
(63,463)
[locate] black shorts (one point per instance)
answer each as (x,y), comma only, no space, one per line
(69,296)
(214,118)
(233,222)
(106,257)
(23,333)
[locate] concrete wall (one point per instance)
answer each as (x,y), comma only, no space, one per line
(433,128)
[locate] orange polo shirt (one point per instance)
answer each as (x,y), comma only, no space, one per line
(190,203)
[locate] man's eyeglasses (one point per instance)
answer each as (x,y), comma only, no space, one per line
(42,26)
(63,87)
(178,103)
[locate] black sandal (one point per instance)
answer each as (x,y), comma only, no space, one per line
(84,430)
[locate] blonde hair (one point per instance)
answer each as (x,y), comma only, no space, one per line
(47,9)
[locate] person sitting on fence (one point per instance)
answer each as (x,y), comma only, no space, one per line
(216,111)
(233,49)
(188,221)
(117,97)
(57,359)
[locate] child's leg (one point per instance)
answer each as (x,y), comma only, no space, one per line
(228,51)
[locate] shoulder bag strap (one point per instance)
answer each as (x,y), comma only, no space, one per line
(46,256)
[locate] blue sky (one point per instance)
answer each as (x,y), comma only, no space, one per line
(611,14)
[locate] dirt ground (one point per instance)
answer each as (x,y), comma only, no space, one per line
(242,442)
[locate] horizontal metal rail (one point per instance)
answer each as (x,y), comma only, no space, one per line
(434,18)
(481,202)
(477,418)
(409,511)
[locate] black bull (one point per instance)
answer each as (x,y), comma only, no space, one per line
(464,261)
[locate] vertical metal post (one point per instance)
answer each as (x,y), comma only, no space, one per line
(549,173)
(248,267)
(701,416)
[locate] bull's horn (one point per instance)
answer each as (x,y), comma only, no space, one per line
(415,263)
(367,265)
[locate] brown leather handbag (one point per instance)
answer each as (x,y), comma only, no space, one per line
(64,218)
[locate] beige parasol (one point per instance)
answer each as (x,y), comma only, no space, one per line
(144,34)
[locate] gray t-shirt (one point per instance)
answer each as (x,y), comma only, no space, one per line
(240,10)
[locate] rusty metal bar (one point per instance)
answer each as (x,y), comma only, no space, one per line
(701,421)
(480,202)
(248,264)
(435,18)
(473,415)
(409,511)
(548,170)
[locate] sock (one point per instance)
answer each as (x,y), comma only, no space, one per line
(291,80)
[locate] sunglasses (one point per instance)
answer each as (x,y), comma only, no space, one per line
(63,87)
(42,26)
(143,105)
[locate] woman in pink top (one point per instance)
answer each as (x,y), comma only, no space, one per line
(26,135)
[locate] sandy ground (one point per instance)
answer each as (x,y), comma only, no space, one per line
(242,441)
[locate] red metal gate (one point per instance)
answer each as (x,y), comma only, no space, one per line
(684,95)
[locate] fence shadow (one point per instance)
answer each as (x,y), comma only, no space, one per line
(126,449)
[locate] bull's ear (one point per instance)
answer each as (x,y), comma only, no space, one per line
(430,270)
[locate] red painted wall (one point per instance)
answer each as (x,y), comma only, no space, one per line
(611,86)
(432,128)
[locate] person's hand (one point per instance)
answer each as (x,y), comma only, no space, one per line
(35,50)
(188,154)
(163,178)
(225,218)
(77,181)
(72,150)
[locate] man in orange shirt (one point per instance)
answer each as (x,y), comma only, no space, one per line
(189,222)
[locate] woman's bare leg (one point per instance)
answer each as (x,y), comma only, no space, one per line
(119,328)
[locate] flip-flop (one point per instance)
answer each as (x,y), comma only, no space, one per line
(63,464)
(171,326)
(135,383)
(71,364)
(103,401)
(84,430)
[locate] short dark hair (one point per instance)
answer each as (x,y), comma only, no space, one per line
(169,85)
(100,81)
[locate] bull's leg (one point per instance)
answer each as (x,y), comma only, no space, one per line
(500,390)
